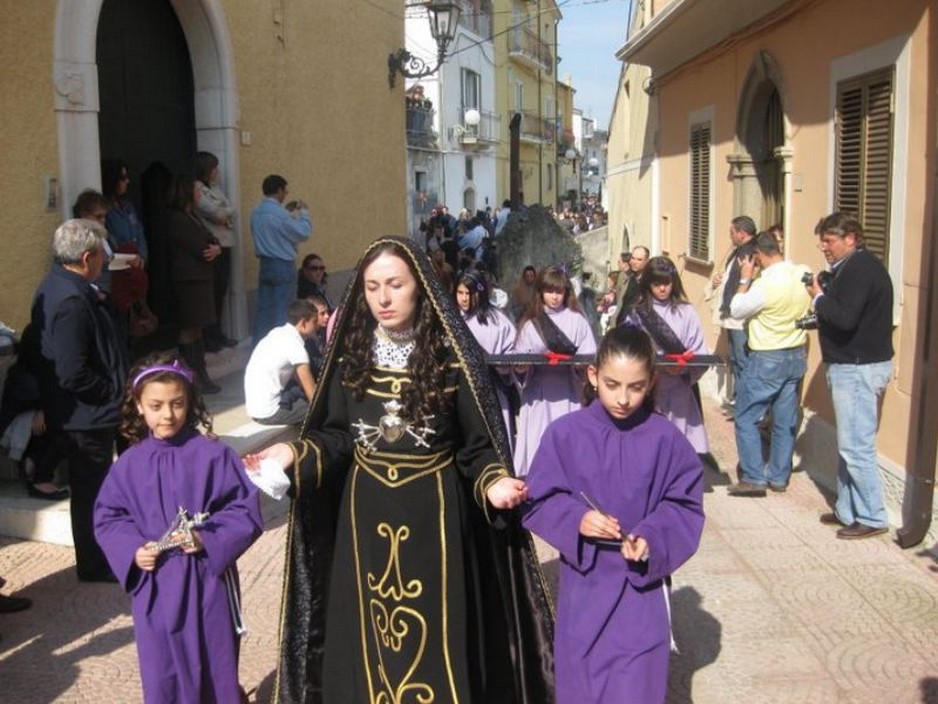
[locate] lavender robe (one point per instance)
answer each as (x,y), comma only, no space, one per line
(674,395)
(497,336)
(611,642)
(547,393)
(186,640)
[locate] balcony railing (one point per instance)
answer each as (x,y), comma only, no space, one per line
(487,132)
(524,45)
(419,124)
(535,128)
(476,16)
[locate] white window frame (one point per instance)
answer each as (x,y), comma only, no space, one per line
(703,115)
(896,52)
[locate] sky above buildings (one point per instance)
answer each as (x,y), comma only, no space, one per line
(590,34)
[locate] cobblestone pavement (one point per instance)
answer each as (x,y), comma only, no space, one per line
(772,609)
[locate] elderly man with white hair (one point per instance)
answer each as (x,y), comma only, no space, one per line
(82,368)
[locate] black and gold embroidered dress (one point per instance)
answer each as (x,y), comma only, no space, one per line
(402,583)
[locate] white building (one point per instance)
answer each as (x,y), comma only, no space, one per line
(452,126)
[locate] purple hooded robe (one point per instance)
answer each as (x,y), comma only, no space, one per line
(674,394)
(547,392)
(183,624)
(611,642)
(497,336)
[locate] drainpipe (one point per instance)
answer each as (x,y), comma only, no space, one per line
(540,113)
(921,479)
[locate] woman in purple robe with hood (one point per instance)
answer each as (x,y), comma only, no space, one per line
(552,325)
(674,326)
(174,514)
(492,329)
(618,490)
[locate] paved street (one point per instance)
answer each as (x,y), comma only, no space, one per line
(772,609)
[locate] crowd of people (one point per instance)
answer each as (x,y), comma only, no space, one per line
(421,467)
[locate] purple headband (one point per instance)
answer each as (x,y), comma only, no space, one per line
(174,368)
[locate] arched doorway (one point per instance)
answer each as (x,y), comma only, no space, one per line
(146,117)
(760,166)
(213,105)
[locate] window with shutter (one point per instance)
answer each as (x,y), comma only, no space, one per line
(863,162)
(699,244)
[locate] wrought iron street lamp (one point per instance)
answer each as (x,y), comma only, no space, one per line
(444,21)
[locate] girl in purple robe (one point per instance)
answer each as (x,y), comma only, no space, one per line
(184,583)
(618,491)
(674,326)
(554,324)
(492,329)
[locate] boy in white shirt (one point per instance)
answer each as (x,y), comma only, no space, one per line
(278,381)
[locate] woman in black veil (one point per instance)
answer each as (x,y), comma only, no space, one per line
(408,577)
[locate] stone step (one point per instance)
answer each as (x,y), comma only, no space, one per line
(22,516)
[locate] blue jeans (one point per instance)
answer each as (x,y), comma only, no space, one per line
(738,352)
(276,287)
(769,379)
(856,390)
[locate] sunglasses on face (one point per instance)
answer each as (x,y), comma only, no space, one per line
(314,267)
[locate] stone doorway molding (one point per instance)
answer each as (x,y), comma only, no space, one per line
(763,157)
(75,83)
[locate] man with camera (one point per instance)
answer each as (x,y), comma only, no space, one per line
(855,329)
(277,230)
(771,376)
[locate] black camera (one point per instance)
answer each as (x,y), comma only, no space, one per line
(808,322)
(824,278)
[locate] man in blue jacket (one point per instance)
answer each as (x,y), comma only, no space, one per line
(82,369)
(277,231)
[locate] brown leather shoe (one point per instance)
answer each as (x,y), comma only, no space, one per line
(830,519)
(858,530)
(746,489)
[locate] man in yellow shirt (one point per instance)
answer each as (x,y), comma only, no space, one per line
(776,364)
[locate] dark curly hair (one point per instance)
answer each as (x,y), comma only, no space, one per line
(424,396)
(132,426)
(480,306)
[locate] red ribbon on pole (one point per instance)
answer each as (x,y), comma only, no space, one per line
(554,357)
(681,359)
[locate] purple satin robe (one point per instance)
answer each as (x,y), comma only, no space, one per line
(547,393)
(611,642)
(674,395)
(497,336)
(186,640)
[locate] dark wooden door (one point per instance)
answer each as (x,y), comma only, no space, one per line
(147,115)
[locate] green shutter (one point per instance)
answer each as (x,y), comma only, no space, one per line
(863,168)
(699,219)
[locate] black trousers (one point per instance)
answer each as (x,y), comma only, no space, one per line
(90,454)
(222,278)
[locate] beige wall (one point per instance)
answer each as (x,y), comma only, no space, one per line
(27,151)
(320,113)
(718,82)
(316,104)
(630,162)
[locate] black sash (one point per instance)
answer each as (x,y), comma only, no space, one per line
(663,335)
(553,336)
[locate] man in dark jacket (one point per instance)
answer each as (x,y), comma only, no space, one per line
(82,369)
(855,329)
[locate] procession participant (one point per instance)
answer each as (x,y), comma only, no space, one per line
(398,481)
